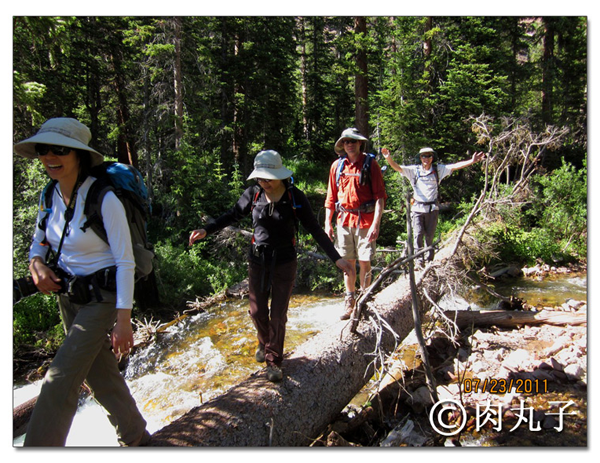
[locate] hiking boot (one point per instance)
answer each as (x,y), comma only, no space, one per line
(260,354)
(274,373)
(349,304)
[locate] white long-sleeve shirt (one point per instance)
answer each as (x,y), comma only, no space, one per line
(84,253)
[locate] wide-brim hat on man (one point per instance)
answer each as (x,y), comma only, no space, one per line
(427,150)
(268,165)
(352,133)
(60,131)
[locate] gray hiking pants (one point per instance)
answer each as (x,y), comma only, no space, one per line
(424,225)
(84,355)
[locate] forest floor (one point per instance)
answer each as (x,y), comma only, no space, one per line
(517,387)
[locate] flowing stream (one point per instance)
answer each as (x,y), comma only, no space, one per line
(199,358)
(204,355)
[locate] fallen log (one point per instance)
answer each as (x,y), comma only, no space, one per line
(320,378)
(21,415)
(513,318)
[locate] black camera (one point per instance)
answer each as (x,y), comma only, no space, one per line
(24,286)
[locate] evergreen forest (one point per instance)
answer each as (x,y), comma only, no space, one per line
(190,101)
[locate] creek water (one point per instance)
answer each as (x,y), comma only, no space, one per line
(206,354)
(194,361)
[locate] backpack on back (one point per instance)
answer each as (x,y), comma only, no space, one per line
(128,185)
(365,173)
(364,179)
(436,175)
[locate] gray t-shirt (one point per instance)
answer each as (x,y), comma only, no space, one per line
(425,185)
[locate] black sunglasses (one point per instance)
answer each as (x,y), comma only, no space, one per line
(43,150)
(427,155)
(350,142)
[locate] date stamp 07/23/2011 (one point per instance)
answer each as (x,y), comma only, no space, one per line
(504,386)
(491,412)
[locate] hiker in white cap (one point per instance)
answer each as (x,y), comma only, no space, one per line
(94,321)
(276,207)
(355,192)
(425,179)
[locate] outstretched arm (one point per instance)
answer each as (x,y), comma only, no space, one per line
(393,164)
(467,162)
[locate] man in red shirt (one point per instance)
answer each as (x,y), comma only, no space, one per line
(357,193)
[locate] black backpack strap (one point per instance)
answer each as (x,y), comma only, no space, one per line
(365,173)
(255,196)
(292,199)
(46,206)
(93,208)
(46,202)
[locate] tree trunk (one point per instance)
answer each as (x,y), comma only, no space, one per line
(361,80)
(320,378)
(178,82)
(126,149)
(513,318)
(548,66)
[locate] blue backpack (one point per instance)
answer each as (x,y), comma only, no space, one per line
(128,185)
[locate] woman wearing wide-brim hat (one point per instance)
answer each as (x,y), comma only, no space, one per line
(276,206)
(88,352)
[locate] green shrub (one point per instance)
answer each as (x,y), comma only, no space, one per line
(34,314)
(185,273)
(561,207)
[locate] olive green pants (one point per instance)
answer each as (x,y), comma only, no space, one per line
(85,355)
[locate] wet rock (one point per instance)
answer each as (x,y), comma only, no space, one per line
(574,371)
(404,434)
(572,305)
(531,271)
(493,356)
(462,355)
(448,392)
(559,345)
(541,375)
(549,422)
(420,398)
(544,366)
(335,440)
(559,376)
(518,360)
(479,366)
(556,365)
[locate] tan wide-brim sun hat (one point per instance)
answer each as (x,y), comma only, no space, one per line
(60,131)
(348,133)
(268,165)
